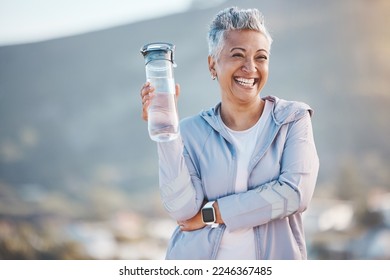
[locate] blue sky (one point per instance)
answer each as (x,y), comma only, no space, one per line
(23,21)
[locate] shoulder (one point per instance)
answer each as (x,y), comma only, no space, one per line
(195,132)
(194,127)
(286,111)
(192,122)
(205,120)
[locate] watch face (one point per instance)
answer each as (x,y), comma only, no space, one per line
(208,215)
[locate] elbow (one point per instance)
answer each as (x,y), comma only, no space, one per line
(179,197)
(182,206)
(303,186)
(293,202)
(305,192)
(180,212)
(299,194)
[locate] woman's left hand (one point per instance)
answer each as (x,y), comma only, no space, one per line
(194,223)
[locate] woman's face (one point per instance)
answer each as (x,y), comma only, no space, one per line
(242,66)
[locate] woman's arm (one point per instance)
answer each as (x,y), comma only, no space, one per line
(289,194)
(181,192)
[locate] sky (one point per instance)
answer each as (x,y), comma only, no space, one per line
(25,21)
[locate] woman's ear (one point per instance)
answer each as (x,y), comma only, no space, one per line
(211,63)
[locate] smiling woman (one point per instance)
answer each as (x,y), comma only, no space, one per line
(242,71)
(240,175)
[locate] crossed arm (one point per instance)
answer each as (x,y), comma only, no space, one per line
(183,197)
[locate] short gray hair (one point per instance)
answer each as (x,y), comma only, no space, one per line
(234,18)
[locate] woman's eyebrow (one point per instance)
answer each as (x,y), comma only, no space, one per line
(262,50)
(244,50)
(238,48)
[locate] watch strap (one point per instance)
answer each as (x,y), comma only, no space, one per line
(209,204)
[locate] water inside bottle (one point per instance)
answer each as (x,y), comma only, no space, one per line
(163,123)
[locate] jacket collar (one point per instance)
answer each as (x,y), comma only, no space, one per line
(287,111)
(283,112)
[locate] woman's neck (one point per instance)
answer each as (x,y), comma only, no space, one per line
(241,116)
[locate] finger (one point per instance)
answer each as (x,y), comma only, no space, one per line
(146,96)
(181,225)
(145,107)
(143,88)
(183,228)
(177,88)
(146,89)
(147,100)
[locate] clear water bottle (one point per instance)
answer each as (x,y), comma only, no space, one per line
(163,123)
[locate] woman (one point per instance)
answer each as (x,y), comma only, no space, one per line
(240,175)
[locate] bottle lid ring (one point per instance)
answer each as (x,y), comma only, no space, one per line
(158,51)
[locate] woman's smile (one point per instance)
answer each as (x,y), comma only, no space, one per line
(245,82)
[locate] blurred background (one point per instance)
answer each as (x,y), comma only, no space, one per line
(78,172)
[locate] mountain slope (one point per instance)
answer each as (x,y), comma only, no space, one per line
(70,108)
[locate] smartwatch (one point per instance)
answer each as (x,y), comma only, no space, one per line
(208,214)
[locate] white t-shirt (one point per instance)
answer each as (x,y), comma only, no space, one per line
(240,244)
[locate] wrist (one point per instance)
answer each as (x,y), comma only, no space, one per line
(218,216)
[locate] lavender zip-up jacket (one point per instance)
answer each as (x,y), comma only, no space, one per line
(201,164)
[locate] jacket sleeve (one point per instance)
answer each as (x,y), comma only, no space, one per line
(180,190)
(291,192)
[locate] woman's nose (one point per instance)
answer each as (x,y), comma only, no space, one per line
(249,66)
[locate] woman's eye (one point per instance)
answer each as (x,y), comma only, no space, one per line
(238,55)
(262,57)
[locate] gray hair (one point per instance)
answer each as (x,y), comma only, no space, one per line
(234,19)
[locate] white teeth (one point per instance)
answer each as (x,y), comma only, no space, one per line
(245,82)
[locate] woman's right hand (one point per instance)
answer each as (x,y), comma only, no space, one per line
(147,96)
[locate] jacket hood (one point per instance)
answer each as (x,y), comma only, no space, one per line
(283,111)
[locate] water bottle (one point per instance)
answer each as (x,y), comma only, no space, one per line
(163,123)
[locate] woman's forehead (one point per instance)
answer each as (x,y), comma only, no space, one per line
(245,39)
